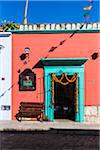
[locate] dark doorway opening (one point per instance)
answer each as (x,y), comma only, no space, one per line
(64,97)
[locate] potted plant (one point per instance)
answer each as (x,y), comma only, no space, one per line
(10,25)
(45,118)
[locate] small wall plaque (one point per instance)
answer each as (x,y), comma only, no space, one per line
(27,80)
(5,107)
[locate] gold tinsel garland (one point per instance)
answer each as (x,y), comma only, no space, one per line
(73,79)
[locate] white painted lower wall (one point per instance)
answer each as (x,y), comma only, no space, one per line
(92,114)
(6,73)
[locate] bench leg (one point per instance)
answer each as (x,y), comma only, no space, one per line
(18,118)
(40,117)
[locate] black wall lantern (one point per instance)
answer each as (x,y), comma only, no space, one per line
(22,56)
(27,80)
(26,54)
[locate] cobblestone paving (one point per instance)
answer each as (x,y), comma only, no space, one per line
(50,140)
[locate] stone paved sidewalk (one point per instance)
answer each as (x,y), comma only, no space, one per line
(36,125)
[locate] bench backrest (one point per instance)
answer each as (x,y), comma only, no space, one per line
(30,106)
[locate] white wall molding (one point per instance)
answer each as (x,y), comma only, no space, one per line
(63,26)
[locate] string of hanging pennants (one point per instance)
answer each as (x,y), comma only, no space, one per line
(87,10)
(53,48)
(7,90)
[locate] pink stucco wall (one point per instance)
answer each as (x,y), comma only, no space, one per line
(80,45)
